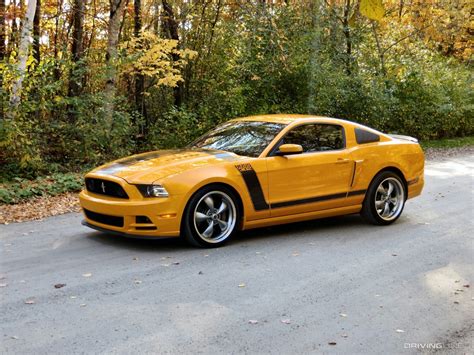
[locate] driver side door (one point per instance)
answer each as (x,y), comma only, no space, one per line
(316,179)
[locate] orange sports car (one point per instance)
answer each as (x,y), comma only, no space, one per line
(253,172)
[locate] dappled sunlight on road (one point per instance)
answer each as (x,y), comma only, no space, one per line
(448,169)
(445,280)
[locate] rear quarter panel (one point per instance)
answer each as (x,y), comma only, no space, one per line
(407,157)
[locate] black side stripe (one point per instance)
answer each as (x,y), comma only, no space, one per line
(258,199)
(356,192)
(253,186)
(412,182)
(317,199)
(308,200)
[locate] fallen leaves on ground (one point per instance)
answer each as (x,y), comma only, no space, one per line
(38,208)
(438,154)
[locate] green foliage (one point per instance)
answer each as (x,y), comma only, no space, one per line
(449,143)
(252,59)
(174,130)
(22,189)
(51,132)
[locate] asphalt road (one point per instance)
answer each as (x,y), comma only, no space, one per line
(286,290)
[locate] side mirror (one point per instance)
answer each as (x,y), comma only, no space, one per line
(289,149)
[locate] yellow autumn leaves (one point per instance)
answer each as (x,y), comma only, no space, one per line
(372,9)
(156,58)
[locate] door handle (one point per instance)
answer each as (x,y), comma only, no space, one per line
(342,161)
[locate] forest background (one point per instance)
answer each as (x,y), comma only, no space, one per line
(86,81)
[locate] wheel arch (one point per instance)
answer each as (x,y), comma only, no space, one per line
(394,170)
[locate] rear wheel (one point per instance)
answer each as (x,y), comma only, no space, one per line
(210,219)
(385,199)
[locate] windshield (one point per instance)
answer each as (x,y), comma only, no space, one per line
(248,138)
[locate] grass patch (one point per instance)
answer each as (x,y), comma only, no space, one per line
(20,189)
(449,143)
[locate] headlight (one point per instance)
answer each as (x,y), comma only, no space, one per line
(152,191)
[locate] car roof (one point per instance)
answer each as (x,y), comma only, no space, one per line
(286,118)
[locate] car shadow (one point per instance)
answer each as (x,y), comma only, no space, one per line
(161,244)
(313,227)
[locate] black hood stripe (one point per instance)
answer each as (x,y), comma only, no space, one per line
(125,162)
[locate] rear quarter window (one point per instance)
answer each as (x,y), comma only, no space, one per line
(363,136)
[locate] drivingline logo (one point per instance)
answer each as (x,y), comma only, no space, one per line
(433,346)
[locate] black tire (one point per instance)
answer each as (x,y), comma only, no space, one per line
(198,217)
(375,203)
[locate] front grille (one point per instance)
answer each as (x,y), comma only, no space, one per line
(105,187)
(104,218)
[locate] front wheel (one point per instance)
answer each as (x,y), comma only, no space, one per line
(385,199)
(211,217)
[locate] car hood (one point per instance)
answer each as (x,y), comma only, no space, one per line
(150,167)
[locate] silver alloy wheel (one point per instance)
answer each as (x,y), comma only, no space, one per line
(214,217)
(389,199)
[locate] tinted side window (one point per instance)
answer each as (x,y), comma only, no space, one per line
(363,136)
(316,137)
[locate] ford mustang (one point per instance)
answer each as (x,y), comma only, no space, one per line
(254,172)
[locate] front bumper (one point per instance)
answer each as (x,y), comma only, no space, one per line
(145,217)
(126,235)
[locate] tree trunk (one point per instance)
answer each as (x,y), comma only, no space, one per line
(347,35)
(3,33)
(13,40)
(116,15)
(57,72)
(37,33)
(23,50)
(380,51)
(3,49)
(139,79)
(171,30)
(75,82)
